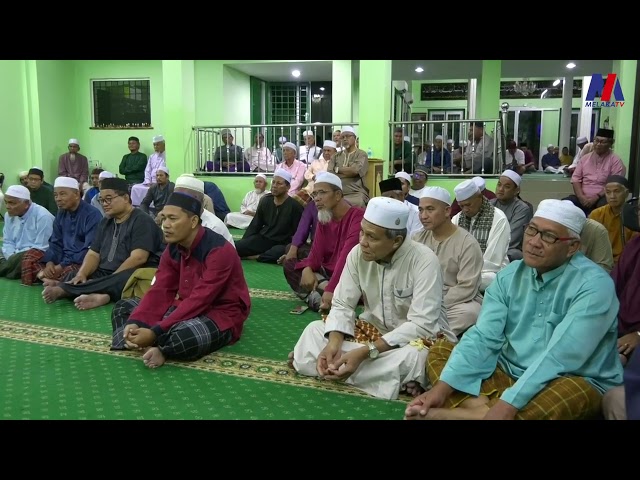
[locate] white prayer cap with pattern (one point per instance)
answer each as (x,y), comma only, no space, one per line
(262,176)
(158,139)
(387,212)
(18,191)
(66,182)
(328,177)
(438,193)
(104,174)
(23,173)
(308,133)
(563,212)
(348,129)
(513,176)
(290,145)
(329,144)
(188,181)
(450,141)
(439,137)
(466,190)
(479,181)
(74,141)
(164,169)
(404,175)
(282,173)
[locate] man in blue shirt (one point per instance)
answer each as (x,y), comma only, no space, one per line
(545,343)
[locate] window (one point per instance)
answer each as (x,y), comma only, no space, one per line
(288,105)
(122,103)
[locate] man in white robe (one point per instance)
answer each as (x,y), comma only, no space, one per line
(400,282)
(320,164)
(249,204)
(157,159)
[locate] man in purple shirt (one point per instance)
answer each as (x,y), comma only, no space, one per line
(75,165)
(299,247)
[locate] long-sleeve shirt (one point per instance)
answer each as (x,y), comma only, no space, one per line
(31,230)
(251,200)
(274,222)
(259,159)
(155,160)
(333,242)
(297,170)
(619,235)
(537,330)
(132,166)
(402,298)
(44,197)
(403,152)
(437,160)
(73,233)
(478,154)
(593,170)
(518,214)
(77,168)
(307,225)
(626,276)
(158,196)
(205,280)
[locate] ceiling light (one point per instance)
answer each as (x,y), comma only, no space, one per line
(296,73)
(544,93)
(322,89)
(419,69)
(571,65)
(556,83)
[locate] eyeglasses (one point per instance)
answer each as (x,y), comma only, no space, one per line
(319,193)
(107,200)
(601,140)
(546,237)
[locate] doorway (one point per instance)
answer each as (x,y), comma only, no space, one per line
(525,126)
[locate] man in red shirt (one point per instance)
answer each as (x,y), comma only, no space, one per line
(199,300)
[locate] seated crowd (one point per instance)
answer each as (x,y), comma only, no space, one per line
(478,306)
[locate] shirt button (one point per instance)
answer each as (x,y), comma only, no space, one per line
(539,314)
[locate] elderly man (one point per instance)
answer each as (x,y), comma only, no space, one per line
(314,279)
(420,177)
(295,168)
(351,165)
(589,178)
(478,156)
(320,164)
(199,300)
(75,165)
(228,157)
(157,159)
(74,228)
(127,239)
(487,224)
(249,204)
(437,159)
(482,186)
(274,223)
(258,156)
(460,258)
(134,163)
(616,192)
(392,188)
(27,225)
(405,178)
(400,282)
(517,212)
(309,151)
(158,194)
(544,344)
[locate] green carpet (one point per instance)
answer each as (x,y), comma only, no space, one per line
(57,365)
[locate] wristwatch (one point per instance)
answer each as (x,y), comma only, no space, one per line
(373,351)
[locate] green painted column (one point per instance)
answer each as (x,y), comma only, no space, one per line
(375,108)
(33,145)
(488,96)
(178,92)
(621,124)
(341,92)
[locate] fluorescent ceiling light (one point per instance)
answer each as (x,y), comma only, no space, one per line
(419,69)
(322,89)
(556,83)
(571,65)
(296,73)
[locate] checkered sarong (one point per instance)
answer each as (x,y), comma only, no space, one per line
(31,266)
(364,332)
(565,398)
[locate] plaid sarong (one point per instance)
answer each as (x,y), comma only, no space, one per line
(31,266)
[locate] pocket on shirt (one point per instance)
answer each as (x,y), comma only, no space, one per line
(403,292)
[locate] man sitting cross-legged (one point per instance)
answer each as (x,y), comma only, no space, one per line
(199,300)
(315,278)
(544,345)
(74,227)
(400,282)
(127,239)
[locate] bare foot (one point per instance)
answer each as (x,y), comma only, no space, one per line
(48,282)
(413,388)
(153,358)
(290,360)
(93,300)
(51,294)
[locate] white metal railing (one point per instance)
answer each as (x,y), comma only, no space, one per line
(242,154)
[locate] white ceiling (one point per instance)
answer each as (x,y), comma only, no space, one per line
(318,71)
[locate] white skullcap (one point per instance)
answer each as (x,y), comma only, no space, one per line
(438,137)
(262,176)
(563,212)
(282,139)
(479,181)
(23,173)
(438,193)
(282,173)
(188,181)
(104,174)
(225,131)
(387,212)
(404,175)
(550,145)
(328,177)
(450,141)
(308,133)
(164,169)
(348,129)
(158,139)
(290,145)
(513,176)
(66,182)
(330,144)
(466,190)
(74,141)
(582,140)
(18,191)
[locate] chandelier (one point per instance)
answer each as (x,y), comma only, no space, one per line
(525,87)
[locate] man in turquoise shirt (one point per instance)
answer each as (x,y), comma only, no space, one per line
(545,343)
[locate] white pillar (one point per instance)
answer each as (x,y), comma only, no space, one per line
(584,123)
(472,101)
(565,119)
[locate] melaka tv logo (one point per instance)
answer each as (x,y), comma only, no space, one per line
(605,89)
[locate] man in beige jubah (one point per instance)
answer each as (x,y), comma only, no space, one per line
(400,282)
(320,164)
(249,204)
(487,224)
(351,165)
(460,257)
